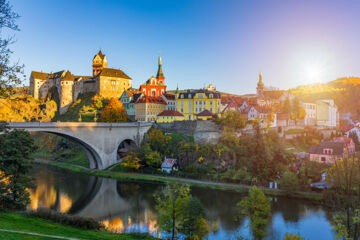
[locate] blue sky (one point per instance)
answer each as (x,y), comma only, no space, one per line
(225,43)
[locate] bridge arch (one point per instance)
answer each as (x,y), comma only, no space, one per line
(100,141)
(124,147)
(92,155)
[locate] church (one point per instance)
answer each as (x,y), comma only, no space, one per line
(66,87)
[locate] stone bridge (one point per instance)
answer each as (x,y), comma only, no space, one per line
(100,141)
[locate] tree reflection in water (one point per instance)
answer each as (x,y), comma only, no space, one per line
(128,206)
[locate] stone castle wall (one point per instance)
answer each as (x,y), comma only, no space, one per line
(202,131)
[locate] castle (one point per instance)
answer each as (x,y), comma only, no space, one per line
(66,87)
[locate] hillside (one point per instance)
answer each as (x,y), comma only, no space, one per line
(73,113)
(344,91)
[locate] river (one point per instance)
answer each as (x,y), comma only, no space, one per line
(128,206)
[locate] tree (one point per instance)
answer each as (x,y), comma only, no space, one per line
(9,73)
(194,225)
(170,205)
(355,138)
(131,161)
(345,178)
(49,108)
(232,119)
(114,112)
(289,182)
(258,209)
(152,158)
(159,142)
(286,107)
(16,148)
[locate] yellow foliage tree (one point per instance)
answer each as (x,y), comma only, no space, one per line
(114,112)
(131,161)
(26,108)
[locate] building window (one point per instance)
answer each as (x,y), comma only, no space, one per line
(189,106)
(182,106)
(189,117)
(200,96)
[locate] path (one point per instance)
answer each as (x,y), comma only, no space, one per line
(38,234)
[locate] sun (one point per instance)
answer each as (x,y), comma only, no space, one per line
(313,73)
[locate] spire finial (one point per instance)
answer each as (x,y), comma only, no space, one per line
(260,77)
(159,60)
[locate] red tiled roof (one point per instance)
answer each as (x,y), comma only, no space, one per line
(170,113)
(147,99)
(205,113)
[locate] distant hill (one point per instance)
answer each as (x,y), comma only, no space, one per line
(345,92)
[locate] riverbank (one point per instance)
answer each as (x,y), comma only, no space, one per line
(20,226)
(192,182)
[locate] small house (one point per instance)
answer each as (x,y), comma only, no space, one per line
(169,165)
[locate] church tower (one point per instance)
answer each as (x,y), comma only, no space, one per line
(260,87)
(160,76)
(99,63)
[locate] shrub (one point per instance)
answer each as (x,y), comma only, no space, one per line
(80,222)
(289,181)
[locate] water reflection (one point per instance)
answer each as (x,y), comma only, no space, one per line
(124,206)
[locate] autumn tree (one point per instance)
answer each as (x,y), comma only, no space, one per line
(132,161)
(114,112)
(159,141)
(286,107)
(258,209)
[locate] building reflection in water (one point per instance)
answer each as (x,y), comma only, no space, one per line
(125,206)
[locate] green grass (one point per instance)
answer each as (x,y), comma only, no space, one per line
(16,236)
(72,115)
(20,222)
(77,158)
(294,131)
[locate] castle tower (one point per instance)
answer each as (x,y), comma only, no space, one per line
(66,93)
(160,76)
(99,63)
(260,87)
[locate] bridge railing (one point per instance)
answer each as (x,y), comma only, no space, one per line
(75,124)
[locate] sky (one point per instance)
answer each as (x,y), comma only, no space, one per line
(226,43)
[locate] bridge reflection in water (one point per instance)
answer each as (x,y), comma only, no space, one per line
(126,206)
(120,206)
